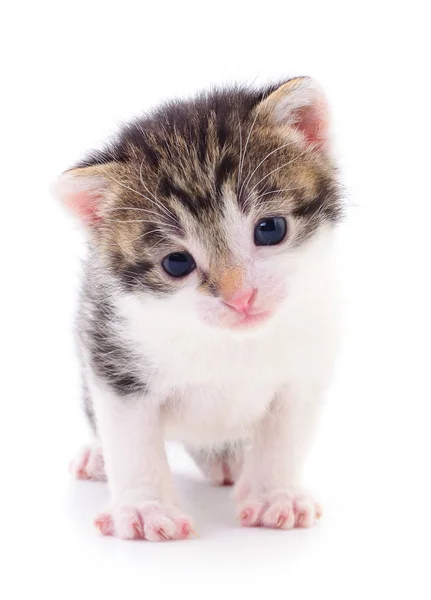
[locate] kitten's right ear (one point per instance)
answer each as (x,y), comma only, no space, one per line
(300,103)
(84,191)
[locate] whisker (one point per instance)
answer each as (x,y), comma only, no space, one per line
(129,188)
(247,179)
(167,224)
(168,214)
(245,148)
(157,243)
(142,235)
(127,220)
(274,192)
(270,173)
(129,208)
(154,200)
(157,230)
(293,189)
(240,151)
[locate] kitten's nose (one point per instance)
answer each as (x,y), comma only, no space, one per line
(241,301)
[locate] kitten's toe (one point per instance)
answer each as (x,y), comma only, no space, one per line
(280,510)
(88,464)
(152,521)
(307,511)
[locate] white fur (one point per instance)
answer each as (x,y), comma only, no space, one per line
(214,383)
(210,384)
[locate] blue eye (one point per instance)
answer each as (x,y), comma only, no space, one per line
(178,264)
(271,231)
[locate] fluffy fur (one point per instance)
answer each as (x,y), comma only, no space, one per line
(167,358)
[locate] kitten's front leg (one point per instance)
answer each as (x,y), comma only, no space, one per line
(270,489)
(131,433)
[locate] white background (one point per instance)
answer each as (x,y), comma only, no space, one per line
(71,71)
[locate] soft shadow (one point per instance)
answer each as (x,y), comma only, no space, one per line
(221,540)
(212,507)
(85,500)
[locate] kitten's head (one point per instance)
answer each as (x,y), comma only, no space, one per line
(210,208)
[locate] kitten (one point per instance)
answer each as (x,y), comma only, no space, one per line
(208,311)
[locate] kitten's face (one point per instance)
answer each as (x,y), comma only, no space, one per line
(210,210)
(241,269)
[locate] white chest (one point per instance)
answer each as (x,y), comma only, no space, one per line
(215,386)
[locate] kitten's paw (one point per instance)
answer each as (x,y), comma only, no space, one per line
(280,510)
(88,464)
(153,522)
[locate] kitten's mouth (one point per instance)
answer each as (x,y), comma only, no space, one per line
(250,320)
(241,321)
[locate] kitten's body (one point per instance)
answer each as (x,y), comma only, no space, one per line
(242,396)
(214,385)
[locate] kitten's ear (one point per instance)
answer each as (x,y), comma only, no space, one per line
(299,103)
(84,191)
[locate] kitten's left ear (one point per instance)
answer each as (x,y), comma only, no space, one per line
(85,191)
(299,103)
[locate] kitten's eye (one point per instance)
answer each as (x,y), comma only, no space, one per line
(271,231)
(178,264)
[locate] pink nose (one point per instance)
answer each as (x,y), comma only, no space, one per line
(241,301)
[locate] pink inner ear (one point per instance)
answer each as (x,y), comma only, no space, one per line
(85,205)
(312,121)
